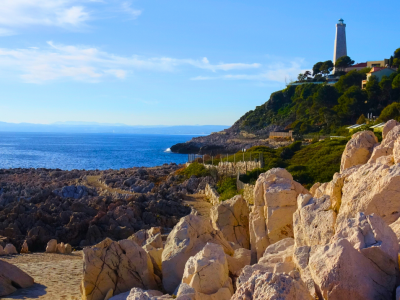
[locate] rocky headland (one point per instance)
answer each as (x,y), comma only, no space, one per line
(337,240)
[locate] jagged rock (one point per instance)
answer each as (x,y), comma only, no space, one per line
(187,238)
(231,217)
(396,151)
(270,286)
(207,273)
(341,272)
(258,233)
(386,160)
(24,248)
(358,150)
(371,188)
(277,258)
(68,249)
(115,265)
(12,278)
(141,236)
(373,238)
(314,188)
(155,241)
(61,248)
(10,249)
(276,194)
(314,221)
(155,256)
(389,125)
(240,259)
(51,246)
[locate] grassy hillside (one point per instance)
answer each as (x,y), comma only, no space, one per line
(323,108)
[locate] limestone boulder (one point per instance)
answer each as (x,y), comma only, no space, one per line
(380,151)
(208,274)
(12,278)
(51,246)
(155,241)
(276,194)
(187,238)
(314,221)
(391,137)
(272,286)
(119,266)
(396,151)
(358,150)
(386,160)
(68,249)
(24,248)
(240,259)
(341,272)
(372,188)
(61,248)
(10,249)
(231,217)
(277,258)
(396,228)
(388,127)
(371,236)
(155,255)
(141,237)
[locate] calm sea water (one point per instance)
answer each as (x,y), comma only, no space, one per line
(87,151)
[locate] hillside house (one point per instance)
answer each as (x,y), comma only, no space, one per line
(378,72)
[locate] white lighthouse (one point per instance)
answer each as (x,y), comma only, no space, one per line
(340,41)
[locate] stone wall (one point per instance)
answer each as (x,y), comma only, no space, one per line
(211,194)
(248,191)
(232,169)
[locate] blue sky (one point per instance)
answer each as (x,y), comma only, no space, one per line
(170,62)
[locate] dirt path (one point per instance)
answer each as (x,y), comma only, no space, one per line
(56,276)
(93,181)
(199,203)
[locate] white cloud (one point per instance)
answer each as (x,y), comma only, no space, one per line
(15,15)
(127,7)
(38,65)
(277,71)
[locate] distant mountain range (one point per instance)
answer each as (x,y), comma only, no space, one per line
(93,127)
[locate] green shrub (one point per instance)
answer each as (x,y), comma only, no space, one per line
(196,169)
(226,188)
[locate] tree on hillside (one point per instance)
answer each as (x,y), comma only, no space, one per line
(396,58)
(361,120)
(391,111)
(396,82)
(316,68)
(351,78)
(344,62)
(351,103)
(327,67)
(374,91)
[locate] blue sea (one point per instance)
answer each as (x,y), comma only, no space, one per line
(87,150)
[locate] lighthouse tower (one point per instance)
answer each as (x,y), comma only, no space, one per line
(340,41)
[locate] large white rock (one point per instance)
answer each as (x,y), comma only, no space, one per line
(272,286)
(372,188)
(119,266)
(207,272)
(396,151)
(277,258)
(358,150)
(12,277)
(10,249)
(341,272)
(51,246)
(314,221)
(231,217)
(187,238)
(238,261)
(389,125)
(276,193)
(155,255)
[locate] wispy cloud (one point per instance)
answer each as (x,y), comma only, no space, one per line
(15,15)
(56,61)
(276,70)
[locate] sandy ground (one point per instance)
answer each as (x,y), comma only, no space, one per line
(199,203)
(56,276)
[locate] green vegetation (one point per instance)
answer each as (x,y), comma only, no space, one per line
(226,188)
(316,162)
(196,169)
(322,108)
